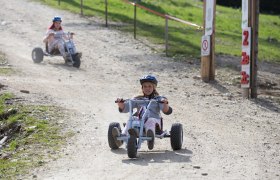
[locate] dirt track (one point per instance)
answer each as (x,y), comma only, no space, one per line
(225,137)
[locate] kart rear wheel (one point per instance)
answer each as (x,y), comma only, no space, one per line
(176,136)
(132,147)
(37,55)
(77,61)
(112,141)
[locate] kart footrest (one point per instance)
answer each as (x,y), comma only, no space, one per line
(164,134)
(146,138)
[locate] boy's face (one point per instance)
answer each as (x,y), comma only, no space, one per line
(147,88)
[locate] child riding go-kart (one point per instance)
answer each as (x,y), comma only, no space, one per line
(146,124)
(58,43)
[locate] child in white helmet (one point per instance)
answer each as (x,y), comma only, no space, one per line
(148,91)
(54,37)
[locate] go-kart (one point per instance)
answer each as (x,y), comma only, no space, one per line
(73,58)
(136,131)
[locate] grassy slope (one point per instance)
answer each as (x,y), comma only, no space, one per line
(182,38)
(36,141)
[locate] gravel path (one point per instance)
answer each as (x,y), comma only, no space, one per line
(225,137)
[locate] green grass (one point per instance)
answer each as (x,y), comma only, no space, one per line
(4,70)
(2,57)
(36,142)
(183,39)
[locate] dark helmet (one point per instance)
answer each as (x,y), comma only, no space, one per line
(148,78)
(56,19)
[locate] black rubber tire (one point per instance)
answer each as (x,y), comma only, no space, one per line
(176,136)
(111,140)
(132,147)
(77,61)
(37,55)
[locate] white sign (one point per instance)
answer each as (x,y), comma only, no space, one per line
(205,46)
(245,9)
(209,16)
(246,57)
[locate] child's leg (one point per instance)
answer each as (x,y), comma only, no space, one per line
(51,46)
(150,127)
(151,124)
(57,44)
(61,47)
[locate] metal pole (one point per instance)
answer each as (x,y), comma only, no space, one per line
(82,12)
(106,13)
(134,20)
(166,35)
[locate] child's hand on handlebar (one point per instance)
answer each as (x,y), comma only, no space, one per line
(119,100)
(165,105)
(164,100)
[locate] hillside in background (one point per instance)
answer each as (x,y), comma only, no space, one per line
(183,39)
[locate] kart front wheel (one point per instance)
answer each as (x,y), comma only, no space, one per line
(77,60)
(37,55)
(132,147)
(113,142)
(176,136)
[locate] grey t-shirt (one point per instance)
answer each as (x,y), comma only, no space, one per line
(155,107)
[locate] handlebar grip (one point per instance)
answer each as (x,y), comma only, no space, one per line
(122,101)
(162,102)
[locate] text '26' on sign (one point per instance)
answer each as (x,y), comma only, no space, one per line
(246,56)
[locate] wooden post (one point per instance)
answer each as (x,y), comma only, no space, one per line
(106,13)
(134,20)
(207,61)
(255,30)
(212,49)
(252,25)
(166,35)
(82,6)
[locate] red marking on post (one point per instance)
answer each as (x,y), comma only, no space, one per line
(245,58)
(244,78)
(246,42)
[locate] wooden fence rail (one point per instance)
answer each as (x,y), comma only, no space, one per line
(165,16)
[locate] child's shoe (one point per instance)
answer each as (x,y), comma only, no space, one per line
(79,54)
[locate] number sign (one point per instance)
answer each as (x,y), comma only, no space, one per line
(246,56)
